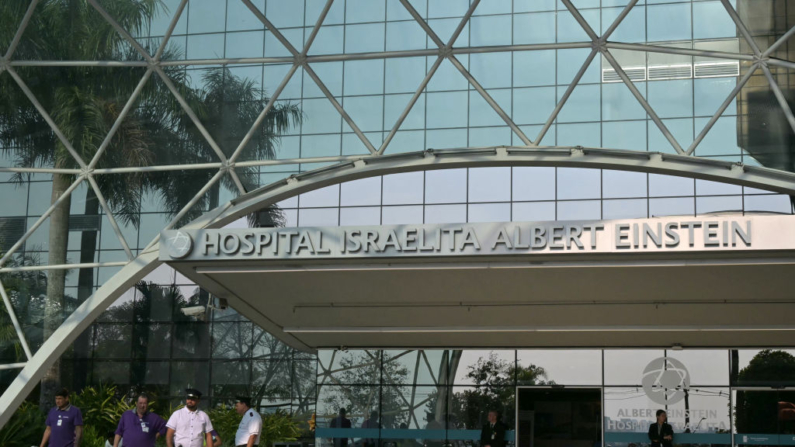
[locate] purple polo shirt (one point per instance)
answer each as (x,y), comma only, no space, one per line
(62,425)
(140,432)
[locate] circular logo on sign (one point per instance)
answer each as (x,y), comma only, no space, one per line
(179,245)
(665,380)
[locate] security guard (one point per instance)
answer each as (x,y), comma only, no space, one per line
(189,426)
(250,426)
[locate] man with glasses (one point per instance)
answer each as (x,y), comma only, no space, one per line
(139,427)
(189,426)
(64,423)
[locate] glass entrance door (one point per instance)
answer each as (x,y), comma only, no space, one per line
(558,417)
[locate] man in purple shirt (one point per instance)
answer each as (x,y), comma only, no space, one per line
(64,423)
(139,427)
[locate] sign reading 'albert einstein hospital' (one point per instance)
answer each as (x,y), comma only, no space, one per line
(675,234)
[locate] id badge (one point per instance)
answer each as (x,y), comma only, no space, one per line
(60,422)
(144,428)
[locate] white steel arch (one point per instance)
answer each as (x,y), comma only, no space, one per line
(132,272)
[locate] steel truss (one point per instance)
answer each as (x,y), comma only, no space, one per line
(352,167)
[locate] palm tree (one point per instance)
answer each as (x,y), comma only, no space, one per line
(85,102)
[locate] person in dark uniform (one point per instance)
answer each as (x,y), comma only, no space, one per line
(661,434)
(340,422)
(493,433)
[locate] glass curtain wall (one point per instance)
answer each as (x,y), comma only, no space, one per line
(428,397)
(221,65)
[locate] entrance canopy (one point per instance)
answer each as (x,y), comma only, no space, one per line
(707,281)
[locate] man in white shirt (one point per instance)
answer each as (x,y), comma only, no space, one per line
(189,426)
(250,426)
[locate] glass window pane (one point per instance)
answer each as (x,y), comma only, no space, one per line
(579,183)
(532,68)
(445,214)
(625,366)
(327,196)
(364,77)
(623,184)
(370,215)
(670,186)
(680,206)
(404,188)
(563,367)
(671,22)
(489,184)
(768,203)
(490,212)
(533,183)
(365,38)
(534,28)
(399,215)
(447,109)
(705,205)
(625,209)
(366,191)
(580,210)
(446,186)
(318,217)
(534,211)
(473,363)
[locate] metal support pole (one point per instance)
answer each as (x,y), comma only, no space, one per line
(308,70)
(430,32)
(276,33)
(490,101)
(779,42)
(679,51)
(462,23)
(17,327)
(618,20)
(123,114)
(41,220)
(263,114)
(741,27)
(721,109)
(170,30)
(410,105)
(111,219)
(642,101)
(47,117)
(318,24)
(123,32)
(190,113)
(565,96)
(581,20)
(37,268)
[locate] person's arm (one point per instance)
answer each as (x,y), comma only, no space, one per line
(653,433)
(170,437)
(669,433)
(78,435)
(208,438)
(218,441)
(254,429)
(46,438)
(116,440)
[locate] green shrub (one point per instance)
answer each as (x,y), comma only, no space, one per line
(276,427)
(25,428)
(102,408)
